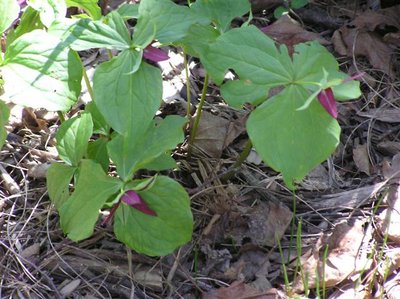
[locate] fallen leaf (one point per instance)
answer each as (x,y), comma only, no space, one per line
(389,115)
(289,32)
(240,290)
(251,264)
(365,36)
(361,158)
(215,133)
(342,259)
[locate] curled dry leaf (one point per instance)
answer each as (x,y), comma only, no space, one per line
(342,260)
(240,290)
(368,36)
(361,158)
(289,32)
(215,133)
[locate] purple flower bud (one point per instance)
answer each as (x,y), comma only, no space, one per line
(135,201)
(327,100)
(155,54)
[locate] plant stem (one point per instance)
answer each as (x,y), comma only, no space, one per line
(188,95)
(87,81)
(243,155)
(61,116)
(198,114)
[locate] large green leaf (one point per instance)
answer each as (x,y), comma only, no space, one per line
(133,151)
(116,22)
(29,21)
(41,73)
(79,214)
(221,12)
(90,6)
(84,34)
(251,54)
(129,11)
(171,20)
(9,10)
(49,10)
(198,39)
(156,235)
(291,131)
(4,115)
(73,137)
(127,100)
(59,177)
(97,151)
(292,141)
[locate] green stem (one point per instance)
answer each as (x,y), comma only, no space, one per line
(87,81)
(243,155)
(61,116)
(188,95)
(198,114)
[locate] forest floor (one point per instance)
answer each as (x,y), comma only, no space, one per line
(336,236)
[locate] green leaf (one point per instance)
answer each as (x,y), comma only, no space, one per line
(347,91)
(133,151)
(221,12)
(198,39)
(162,234)
(97,151)
(9,10)
(49,10)
(90,6)
(128,101)
(144,34)
(291,131)
(73,137)
(292,141)
(79,214)
(171,20)
(4,115)
(84,34)
(251,54)
(239,92)
(29,21)
(162,162)
(115,21)
(280,11)
(41,73)
(59,177)
(100,126)
(295,4)
(129,11)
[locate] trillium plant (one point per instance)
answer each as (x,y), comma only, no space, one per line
(293,130)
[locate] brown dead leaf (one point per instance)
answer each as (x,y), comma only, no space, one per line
(388,221)
(289,32)
(390,115)
(365,36)
(361,158)
(240,290)
(341,261)
(252,264)
(215,133)
(31,121)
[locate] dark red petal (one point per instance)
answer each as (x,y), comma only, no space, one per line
(155,54)
(327,100)
(135,201)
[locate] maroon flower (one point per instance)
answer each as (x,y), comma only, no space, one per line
(135,201)
(155,54)
(327,100)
